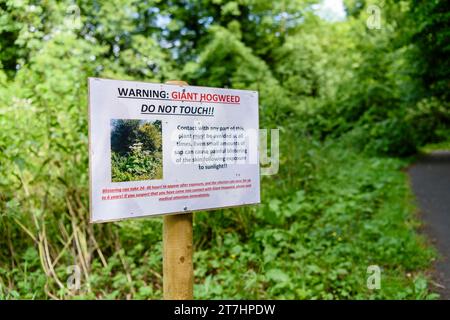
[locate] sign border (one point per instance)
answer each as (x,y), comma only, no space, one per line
(158,214)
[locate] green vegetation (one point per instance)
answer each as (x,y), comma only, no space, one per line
(136,150)
(352,104)
(313,238)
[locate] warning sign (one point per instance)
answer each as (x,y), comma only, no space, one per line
(159,148)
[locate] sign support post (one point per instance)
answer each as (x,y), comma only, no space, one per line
(178,270)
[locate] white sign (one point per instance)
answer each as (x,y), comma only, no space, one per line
(159,148)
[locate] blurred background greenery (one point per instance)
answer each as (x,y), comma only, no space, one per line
(353,103)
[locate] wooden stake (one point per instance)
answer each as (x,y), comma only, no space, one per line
(178,270)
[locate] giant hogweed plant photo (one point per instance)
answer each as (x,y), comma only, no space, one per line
(136,150)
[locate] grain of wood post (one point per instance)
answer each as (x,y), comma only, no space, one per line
(178,271)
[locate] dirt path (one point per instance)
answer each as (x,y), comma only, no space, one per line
(430,178)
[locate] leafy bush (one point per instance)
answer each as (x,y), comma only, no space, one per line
(431,121)
(136,150)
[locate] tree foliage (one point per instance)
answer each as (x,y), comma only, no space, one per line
(432,38)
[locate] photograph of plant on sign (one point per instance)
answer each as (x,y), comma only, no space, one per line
(136,150)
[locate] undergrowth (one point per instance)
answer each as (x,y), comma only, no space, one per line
(329,214)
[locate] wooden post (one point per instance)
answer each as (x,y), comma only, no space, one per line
(178,270)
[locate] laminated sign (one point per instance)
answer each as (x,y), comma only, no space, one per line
(161,148)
